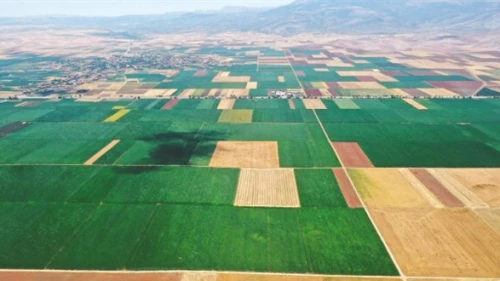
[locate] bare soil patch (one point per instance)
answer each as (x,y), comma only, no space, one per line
(12,128)
(436,188)
(169,105)
(350,196)
(352,155)
(314,103)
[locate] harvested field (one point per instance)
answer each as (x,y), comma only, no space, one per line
(458,189)
(440,243)
(169,105)
(236,116)
(224,77)
(200,73)
(281,79)
(322,70)
(252,85)
(291,104)
(438,92)
(12,128)
(88,276)
(352,155)
(314,104)
(386,188)
(490,217)
(267,188)
(436,188)
(118,115)
(28,104)
(347,189)
(421,189)
(226,104)
(103,151)
(484,183)
(415,104)
(248,154)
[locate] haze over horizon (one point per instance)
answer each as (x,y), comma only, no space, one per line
(112,8)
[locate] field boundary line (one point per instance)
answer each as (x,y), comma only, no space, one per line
(361,200)
(138,242)
(73,235)
(138,272)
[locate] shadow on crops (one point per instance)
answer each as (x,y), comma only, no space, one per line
(176,148)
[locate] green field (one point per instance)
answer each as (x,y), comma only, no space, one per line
(153,203)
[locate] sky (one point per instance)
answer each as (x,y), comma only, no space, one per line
(20,8)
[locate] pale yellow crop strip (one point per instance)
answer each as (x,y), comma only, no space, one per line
(117,116)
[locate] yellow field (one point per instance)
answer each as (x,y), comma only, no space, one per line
(314,104)
(246,154)
(226,104)
(267,188)
(415,104)
(236,116)
(386,188)
(117,116)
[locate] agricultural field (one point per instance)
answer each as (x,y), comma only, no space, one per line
(351,187)
(246,161)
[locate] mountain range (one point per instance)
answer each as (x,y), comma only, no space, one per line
(306,16)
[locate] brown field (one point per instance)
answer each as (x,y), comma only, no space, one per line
(352,155)
(440,242)
(415,104)
(314,104)
(386,188)
(103,151)
(437,188)
(291,104)
(284,277)
(465,195)
(421,189)
(350,196)
(245,154)
(169,105)
(267,188)
(226,104)
(484,183)
(12,128)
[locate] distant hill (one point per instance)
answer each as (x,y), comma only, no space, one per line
(309,16)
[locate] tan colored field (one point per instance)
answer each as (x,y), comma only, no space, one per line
(421,189)
(361,85)
(245,154)
(226,104)
(386,188)
(281,79)
(439,92)
(103,151)
(314,104)
(267,188)
(440,242)
(199,276)
(377,75)
(322,70)
(458,189)
(224,77)
(187,93)
(484,183)
(234,93)
(415,104)
(490,217)
(253,85)
(400,93)
(154,92)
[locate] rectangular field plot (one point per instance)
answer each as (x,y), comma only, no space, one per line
(262,240)
(245,155)
(274,188)
(440,243)
(107,240)
(319,188)
(160,185)
(418,145)
(236,116)
(33,233)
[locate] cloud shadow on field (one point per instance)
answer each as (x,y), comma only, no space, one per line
(176,148)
